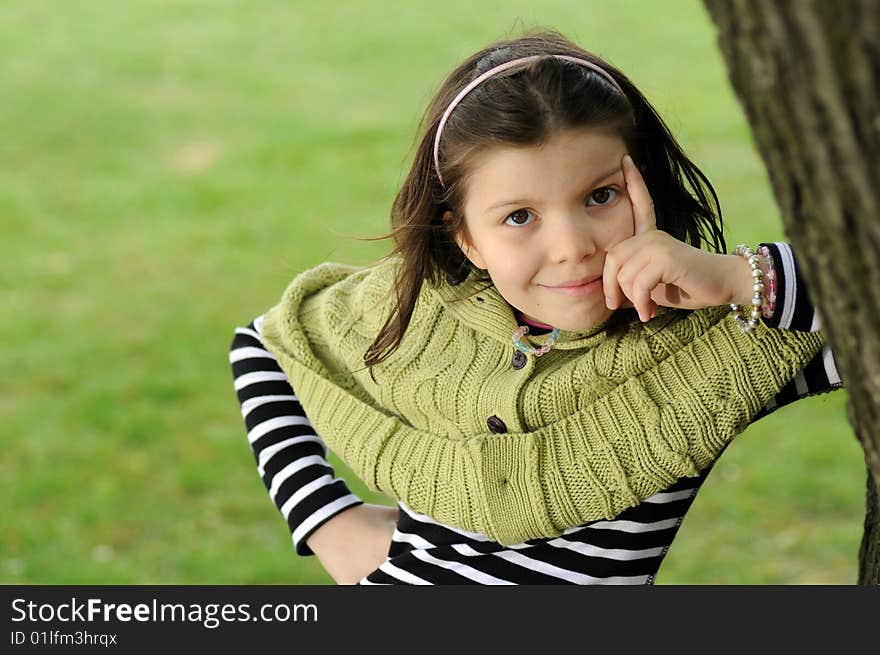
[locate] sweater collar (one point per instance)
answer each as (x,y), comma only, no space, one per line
(477,303)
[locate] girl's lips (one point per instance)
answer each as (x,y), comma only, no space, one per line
(579,290)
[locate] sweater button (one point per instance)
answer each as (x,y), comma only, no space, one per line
(519,359)
(496,425)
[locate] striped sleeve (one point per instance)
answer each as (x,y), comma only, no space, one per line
(795,311)
(291,458)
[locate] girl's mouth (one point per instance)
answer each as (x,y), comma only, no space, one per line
(578,289)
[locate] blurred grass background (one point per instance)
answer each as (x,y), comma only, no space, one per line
(167,167)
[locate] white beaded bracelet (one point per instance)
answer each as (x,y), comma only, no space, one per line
(757,288)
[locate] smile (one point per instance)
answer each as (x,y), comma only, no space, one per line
(578,289)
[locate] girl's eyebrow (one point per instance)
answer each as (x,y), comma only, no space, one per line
(525,201)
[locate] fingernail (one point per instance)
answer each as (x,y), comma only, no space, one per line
(608,303)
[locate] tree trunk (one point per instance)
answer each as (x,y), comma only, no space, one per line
(807,73)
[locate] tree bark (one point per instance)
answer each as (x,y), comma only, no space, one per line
(807,73)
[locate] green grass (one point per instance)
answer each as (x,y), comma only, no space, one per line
(167,167)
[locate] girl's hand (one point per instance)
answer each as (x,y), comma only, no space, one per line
(354,543)
(654,268)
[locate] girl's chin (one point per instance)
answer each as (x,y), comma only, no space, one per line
(583,326)
(570,316)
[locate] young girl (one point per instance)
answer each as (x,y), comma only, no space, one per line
(544,369)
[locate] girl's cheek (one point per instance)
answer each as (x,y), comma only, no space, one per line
(621,231)
(626,226)
(520,265)
(624,202)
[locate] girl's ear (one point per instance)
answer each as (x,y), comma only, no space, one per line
(463,240)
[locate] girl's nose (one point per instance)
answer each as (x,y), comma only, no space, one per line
(572,239)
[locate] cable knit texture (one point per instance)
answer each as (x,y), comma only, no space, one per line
(595,426)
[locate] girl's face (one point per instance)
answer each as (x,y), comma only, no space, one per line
(540,220)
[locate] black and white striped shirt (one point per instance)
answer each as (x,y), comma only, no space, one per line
(292,462)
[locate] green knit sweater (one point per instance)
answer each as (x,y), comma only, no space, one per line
(595,426)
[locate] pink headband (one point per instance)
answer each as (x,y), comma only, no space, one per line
(493,71)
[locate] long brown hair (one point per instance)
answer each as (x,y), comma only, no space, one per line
(524,106)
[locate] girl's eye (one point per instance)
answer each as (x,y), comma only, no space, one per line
(604,196)
(520,217)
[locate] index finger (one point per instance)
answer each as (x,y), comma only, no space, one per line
(643,205)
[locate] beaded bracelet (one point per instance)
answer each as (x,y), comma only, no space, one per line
(769,306)
(758,288)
